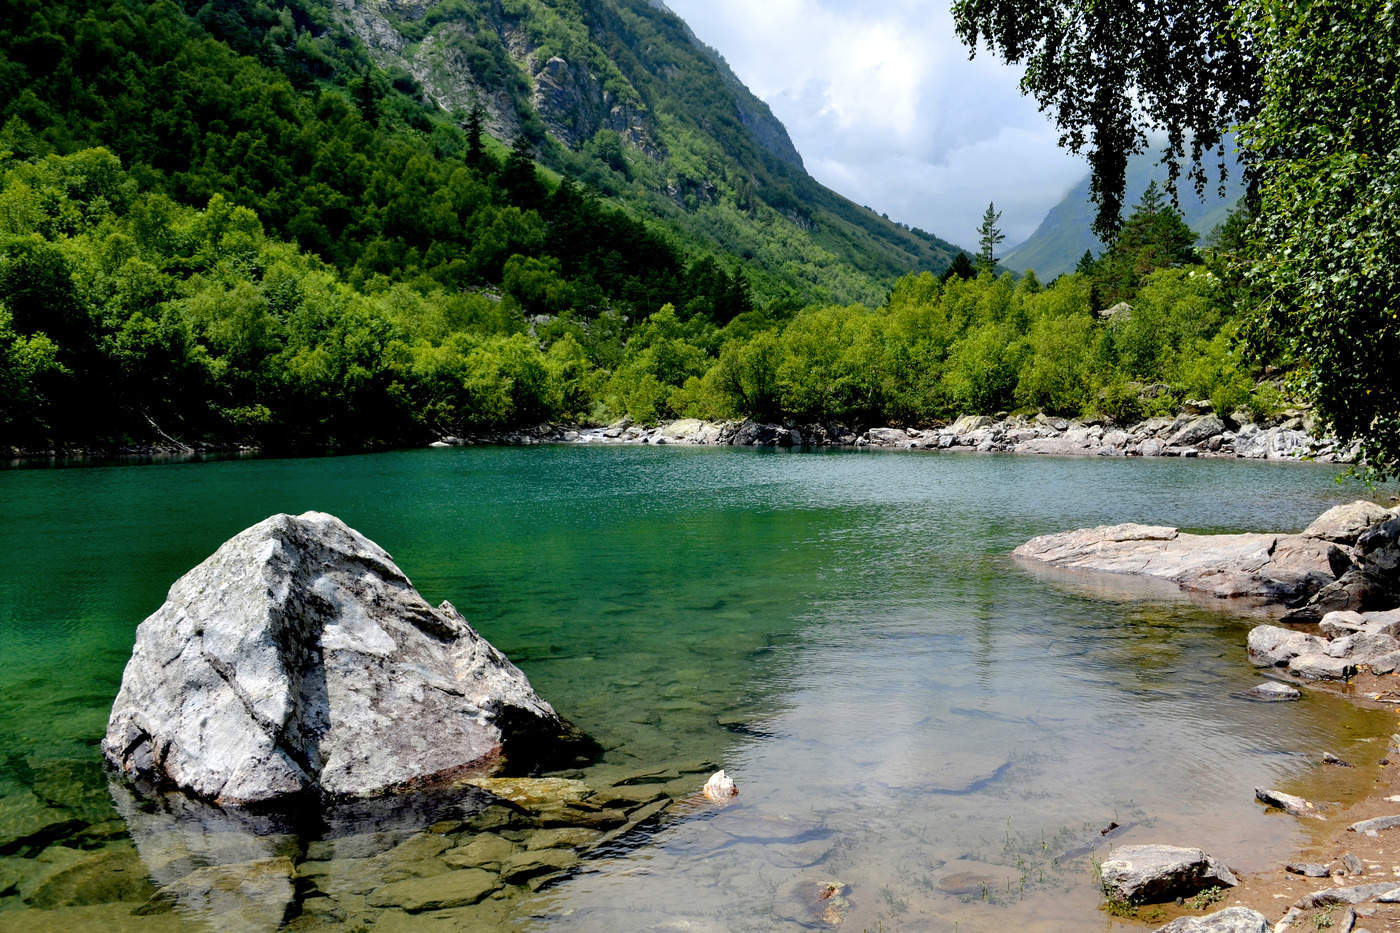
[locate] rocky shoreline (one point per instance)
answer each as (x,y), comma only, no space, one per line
(1196,432)
(1340,577)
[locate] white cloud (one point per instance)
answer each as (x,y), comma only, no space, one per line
(885,107)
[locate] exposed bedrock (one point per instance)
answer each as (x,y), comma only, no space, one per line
(1292,569)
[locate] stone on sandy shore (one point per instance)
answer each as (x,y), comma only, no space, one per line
(1268,566)
(1355,894)
(1271,691)
(1321,659)
(1375,825)
(1229,920)
(1307,869)
(1152,873)
(298,658)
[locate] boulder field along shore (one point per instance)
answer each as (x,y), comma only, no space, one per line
(299,660)
(1339,582)
(1194,433)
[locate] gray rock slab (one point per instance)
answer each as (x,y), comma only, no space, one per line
(1375,825)
(1146,873)
(1229,920)
(1275,567)
(1382,623)
(299,658)
(1355,894)
(1362,647)
(1385,664)
(1345,523)
(1322,667)
(1343,622)
(1273,646)
(1308,869)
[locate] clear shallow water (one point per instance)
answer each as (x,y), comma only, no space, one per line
(906,710)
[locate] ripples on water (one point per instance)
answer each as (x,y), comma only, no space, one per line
(908,713)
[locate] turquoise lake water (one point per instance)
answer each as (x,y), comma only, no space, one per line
(908,713)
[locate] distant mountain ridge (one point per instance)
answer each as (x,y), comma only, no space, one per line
(1066,232)
(624,95)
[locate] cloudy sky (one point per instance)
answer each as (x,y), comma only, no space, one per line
(883,104)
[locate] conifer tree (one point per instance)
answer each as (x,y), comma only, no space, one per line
(476,152)
(961,267)
(518,176)
(989,236)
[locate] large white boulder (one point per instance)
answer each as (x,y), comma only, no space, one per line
(299,659)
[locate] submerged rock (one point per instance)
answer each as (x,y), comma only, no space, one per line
(1229,920)
(299,659)
(456,889)
(1140,874)
(1271,691)
(247,897)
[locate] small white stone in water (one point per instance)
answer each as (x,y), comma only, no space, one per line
(720,787)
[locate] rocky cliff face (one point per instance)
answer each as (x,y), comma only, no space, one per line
(622,95)
(519,73)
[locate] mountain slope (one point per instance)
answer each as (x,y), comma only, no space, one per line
(1066,232)
(623,95)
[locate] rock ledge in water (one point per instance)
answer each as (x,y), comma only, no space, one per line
(299,659)
(1282,568)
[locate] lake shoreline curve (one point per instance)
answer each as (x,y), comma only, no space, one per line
(1194,433)
(1336,586)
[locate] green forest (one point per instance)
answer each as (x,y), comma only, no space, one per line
(126,313)
(223,224)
